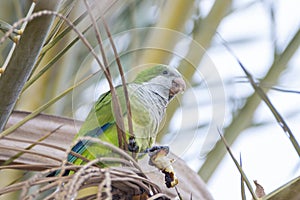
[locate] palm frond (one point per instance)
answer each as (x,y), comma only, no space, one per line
(50,140)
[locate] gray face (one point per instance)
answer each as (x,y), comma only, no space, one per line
(168,83)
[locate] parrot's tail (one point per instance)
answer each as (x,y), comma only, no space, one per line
(56,173)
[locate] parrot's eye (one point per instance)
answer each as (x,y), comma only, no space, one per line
(165,72)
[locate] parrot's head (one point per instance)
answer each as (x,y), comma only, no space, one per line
(162,80)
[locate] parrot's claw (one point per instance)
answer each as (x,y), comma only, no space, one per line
(132,146)
(156,149)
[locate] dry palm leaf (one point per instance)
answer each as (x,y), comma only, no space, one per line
(52,138)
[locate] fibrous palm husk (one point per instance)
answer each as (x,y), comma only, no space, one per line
(53,138)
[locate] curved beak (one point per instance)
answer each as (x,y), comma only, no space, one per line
(178,86)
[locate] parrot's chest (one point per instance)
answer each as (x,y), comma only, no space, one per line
(145,123)
(147,114)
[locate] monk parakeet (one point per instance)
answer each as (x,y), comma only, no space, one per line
(149,95)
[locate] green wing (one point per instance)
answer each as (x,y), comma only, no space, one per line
(99,123)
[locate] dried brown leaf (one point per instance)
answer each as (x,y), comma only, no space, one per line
(259,191)
(61,139)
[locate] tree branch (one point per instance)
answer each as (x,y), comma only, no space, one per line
(23,59)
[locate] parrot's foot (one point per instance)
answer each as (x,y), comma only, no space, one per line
(156,149)
(132,146)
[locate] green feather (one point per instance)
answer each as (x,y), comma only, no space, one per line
(150,73)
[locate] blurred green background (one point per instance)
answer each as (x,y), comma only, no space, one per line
(185,34)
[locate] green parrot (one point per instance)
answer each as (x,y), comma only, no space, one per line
(149,95)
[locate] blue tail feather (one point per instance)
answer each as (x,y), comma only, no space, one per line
(81,146)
